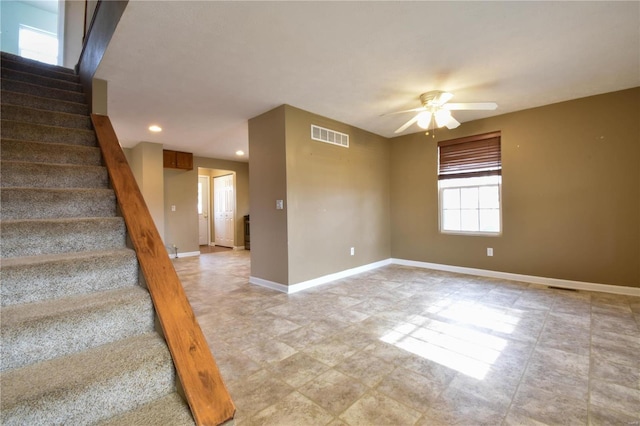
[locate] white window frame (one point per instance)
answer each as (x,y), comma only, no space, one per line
(470,182)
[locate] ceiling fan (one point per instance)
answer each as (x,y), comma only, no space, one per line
(435,108)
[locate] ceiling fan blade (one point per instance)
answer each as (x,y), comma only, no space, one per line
(470,106)
(406,110)
(452,123)
(406,125)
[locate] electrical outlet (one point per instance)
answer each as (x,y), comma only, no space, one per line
(173,208)
(279,204)
(489,251)
(353,251)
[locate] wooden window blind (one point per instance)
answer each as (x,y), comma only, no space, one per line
(471,156)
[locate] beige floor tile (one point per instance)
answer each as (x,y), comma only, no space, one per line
(297,369)
(616,397)
(412,389)
(366,368)
(548,407)
(377,409)
(333,391)
(269,352)
(292,410)
(256,392)
(599,416)
(462,408)
(330,351)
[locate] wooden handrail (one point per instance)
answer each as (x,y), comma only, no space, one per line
(202,383)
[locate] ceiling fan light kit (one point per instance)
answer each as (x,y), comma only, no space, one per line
(436,109)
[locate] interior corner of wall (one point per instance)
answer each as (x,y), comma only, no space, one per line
(99,96)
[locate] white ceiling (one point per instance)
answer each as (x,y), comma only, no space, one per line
(201,70)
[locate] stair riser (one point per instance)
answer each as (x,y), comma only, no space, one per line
(34,152)
(146,373)
(44,92)
(30,101)
(41,71)
(38,175)
(68,277)
(33,63)
(47,118)
(38,203)
(41,237)
(36,132)
(52,83)
(44,338)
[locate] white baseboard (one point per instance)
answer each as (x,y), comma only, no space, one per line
(294,288)
(238,247)
(185,254)
(554,282)
(269,284)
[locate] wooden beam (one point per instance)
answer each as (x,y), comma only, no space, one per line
(197,370)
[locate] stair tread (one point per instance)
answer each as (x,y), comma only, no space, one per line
(29,312)
(88,131)
(30,150)
(43,111)
(53,93)
(79,166)
(40,80)
(32,237)
(169,410)
(23,130)
(13,262)
(36,98)
(48,329)
(50,276)
(32,62)
(62,390)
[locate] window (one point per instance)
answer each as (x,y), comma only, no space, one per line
(38,44)
(469,184)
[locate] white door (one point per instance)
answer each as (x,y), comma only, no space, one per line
(203,210)
(224,206)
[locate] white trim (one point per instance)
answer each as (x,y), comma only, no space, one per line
(185,254)
(294,288)
(555,282)
(269,284)
(238,247)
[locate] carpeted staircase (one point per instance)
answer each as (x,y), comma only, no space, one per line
(79,342)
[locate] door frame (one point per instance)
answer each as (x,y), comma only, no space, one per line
(209,206)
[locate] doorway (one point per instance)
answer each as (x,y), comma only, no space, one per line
(224,206)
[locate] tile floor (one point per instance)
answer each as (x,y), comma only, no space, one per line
(407,346)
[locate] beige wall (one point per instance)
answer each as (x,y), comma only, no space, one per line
(73,32)
(335,198)
(145,160)
(268,177)
(570,194)
(338,198)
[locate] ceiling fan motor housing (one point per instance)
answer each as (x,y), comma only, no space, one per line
(432,98)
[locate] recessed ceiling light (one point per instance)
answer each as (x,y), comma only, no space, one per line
(239,153)
(155,128)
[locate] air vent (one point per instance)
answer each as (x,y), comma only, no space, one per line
(329,136)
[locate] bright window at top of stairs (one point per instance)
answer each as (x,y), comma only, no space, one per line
(38,44)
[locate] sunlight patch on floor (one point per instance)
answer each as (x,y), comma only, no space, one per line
(455,345)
